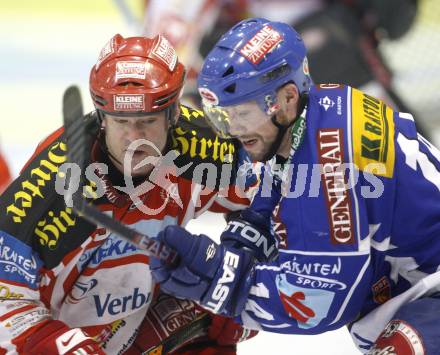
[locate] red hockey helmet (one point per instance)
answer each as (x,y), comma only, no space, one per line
(136,75)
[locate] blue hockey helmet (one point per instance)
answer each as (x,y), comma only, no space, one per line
(254,58)
(250,62)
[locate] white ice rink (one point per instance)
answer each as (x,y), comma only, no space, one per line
(42,52)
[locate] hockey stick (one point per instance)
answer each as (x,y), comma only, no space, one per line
(78,151)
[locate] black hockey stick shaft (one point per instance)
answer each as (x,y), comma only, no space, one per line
(78,151)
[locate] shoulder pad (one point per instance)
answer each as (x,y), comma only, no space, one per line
(35,213)
(197,143)
(193,137)
(373,134)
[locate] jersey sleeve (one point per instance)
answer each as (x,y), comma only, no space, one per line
(22,309)
(34,220)
(414,251)
(417,213)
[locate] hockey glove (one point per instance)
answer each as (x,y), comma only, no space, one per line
(56,338)
(251,231)
(218,277)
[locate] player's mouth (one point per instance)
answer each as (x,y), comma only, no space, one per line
(137,154)
(249,143)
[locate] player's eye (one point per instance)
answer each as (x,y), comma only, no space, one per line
(243,114)
(120,120)
(147,121)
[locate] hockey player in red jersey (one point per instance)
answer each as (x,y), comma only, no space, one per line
(68,287)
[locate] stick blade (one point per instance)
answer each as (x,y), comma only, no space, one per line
(72,105)
(74,126)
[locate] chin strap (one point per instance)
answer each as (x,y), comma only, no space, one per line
(283,129)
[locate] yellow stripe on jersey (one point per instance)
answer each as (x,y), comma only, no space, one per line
(189,113)
(373,134)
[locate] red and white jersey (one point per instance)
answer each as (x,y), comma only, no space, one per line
(56,265)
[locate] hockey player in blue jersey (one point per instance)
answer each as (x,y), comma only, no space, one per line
(354,237)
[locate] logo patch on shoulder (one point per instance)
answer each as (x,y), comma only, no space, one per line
(373,133)
(326,102)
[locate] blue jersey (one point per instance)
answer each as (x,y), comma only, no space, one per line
(358,221)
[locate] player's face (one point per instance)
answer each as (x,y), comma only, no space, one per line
(253,128)
(132,139)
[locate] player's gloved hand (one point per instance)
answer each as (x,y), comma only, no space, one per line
(216,276)
(55,337)
(251,230)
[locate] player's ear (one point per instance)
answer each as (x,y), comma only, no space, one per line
(104,121)
(288,98)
